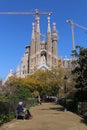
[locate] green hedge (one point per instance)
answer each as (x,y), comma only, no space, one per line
(7,109)
(72,105)
(6,118)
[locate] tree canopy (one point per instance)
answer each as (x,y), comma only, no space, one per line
(80,70)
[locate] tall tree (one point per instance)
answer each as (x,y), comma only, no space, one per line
(80,70)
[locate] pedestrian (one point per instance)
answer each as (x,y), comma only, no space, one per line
(19,111)
(39,100)
(20,106)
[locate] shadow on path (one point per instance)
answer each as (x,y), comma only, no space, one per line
(61,108)
(57,108)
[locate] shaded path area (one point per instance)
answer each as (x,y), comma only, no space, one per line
(47,116)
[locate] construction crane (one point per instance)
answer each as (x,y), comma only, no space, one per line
(72,29)
(36,13)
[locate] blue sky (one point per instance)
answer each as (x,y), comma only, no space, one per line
(15,30)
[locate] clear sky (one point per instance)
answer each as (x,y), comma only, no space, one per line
(15,30)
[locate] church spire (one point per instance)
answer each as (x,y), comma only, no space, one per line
(49,29)
(37,37)
(54,40)
(37,25)
(37,41)
(33,40)
(49,45)
(49,41)
(54,32)
(33,31)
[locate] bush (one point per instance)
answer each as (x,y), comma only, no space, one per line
(5,118)
(72,105)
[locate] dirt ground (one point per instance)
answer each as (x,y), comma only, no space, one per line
(47,116)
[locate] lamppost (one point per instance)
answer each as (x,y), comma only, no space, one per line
(65,91)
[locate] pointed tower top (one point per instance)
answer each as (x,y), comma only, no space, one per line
(37,25)
(54,28)
(54,32)
(33,30)
(49,29)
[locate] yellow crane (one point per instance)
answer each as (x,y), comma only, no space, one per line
(72,29)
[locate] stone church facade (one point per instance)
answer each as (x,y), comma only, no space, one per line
(40,55)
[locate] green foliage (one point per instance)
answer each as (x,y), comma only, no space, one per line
(72,96)
(3,97)
(23,93)
(49,82)
(7,109)
(31,102)
(40,83)
(5,118)
(70,101)
(80,70)
(72,105)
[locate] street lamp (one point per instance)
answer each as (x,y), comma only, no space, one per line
(65,91)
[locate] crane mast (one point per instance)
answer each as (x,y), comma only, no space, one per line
(72,29)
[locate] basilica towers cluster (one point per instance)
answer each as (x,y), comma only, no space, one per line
(43,55)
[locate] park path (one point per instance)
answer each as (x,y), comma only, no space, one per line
(47,116)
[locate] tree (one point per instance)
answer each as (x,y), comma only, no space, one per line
(49,82)
(80,71)
(17,89)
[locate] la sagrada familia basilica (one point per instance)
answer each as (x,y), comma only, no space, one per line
(41,54)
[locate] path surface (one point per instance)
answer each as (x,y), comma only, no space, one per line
(47,116)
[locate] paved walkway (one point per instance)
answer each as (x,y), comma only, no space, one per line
(47,116)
